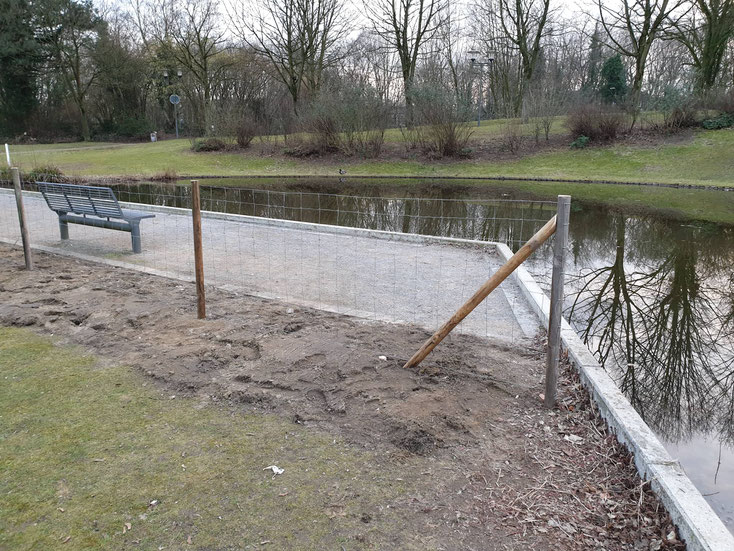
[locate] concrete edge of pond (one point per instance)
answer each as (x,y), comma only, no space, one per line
(698,524)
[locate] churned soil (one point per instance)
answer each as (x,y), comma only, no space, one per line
(486,465)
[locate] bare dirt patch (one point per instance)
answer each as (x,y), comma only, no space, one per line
(489,467)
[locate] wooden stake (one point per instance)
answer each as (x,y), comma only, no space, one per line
(490,285)
(556,302)
(22,220)
(198,250)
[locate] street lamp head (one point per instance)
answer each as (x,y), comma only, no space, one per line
(165,74)
(179,73)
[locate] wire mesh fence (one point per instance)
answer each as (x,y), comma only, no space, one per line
(502,220)
(254,243)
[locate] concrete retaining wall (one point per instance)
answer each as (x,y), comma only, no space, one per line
(697,523)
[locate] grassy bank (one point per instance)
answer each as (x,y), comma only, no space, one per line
(705,159)
(101,461)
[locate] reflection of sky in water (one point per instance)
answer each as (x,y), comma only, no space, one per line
(676,279)
(700,460)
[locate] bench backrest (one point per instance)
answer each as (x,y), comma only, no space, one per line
(97,201)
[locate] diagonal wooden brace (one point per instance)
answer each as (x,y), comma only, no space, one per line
(490,285)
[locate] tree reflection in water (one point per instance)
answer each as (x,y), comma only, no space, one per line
(658,313)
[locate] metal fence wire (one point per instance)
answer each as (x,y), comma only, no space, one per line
(253,242)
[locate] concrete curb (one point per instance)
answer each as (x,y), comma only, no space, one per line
(697,523)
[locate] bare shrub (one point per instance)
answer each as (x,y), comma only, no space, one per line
(679,111)
(724,102)
(324,130)
(680,117)
(369,143)
(443,130)
(346,118)
(512,136)
(168,175)
(596,122)
(543,103)
(301,145)
(246,130)
(410,137)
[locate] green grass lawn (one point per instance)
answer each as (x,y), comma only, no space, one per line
(708,159)
(95,459)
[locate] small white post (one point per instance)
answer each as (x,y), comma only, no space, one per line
(22,220)
(7,154)
(556,304)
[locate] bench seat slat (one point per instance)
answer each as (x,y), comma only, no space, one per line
(58,203)
(81,205)
(136,214)
(87,200)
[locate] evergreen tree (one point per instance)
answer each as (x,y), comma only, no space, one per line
(20,56)
(613,80)
(590,87)
(70,31)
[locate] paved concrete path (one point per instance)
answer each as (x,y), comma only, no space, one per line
(397,281)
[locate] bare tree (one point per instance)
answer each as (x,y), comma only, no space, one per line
(632,27)
(705,33)
(453,51)
(406,26)
(525,24)
(198,39)
(71,32)
(503,73)
(298,37)
(189,34)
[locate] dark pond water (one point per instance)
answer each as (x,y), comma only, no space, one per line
(653,298)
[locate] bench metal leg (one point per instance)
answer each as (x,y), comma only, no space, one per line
(64,227)
(135,234)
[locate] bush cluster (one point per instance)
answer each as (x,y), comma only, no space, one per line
(725,120)
(597,123)
(441,126)
(42,173)
(348,119)
(208,144)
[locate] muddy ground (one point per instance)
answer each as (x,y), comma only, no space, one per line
(491,468)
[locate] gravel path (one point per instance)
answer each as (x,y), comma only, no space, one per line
(396,281)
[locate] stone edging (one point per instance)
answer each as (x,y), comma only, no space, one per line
(697,523)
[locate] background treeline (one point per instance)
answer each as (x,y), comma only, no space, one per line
(344,72)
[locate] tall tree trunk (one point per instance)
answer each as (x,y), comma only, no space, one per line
(84,121)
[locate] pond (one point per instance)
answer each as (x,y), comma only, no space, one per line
(653,298)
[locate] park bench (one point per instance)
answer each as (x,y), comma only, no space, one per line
(91,206)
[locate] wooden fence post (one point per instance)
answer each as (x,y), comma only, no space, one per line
(198,251)
(22,219)
(556,301)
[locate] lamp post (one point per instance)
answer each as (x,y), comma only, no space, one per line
(476,60)
(174,98)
